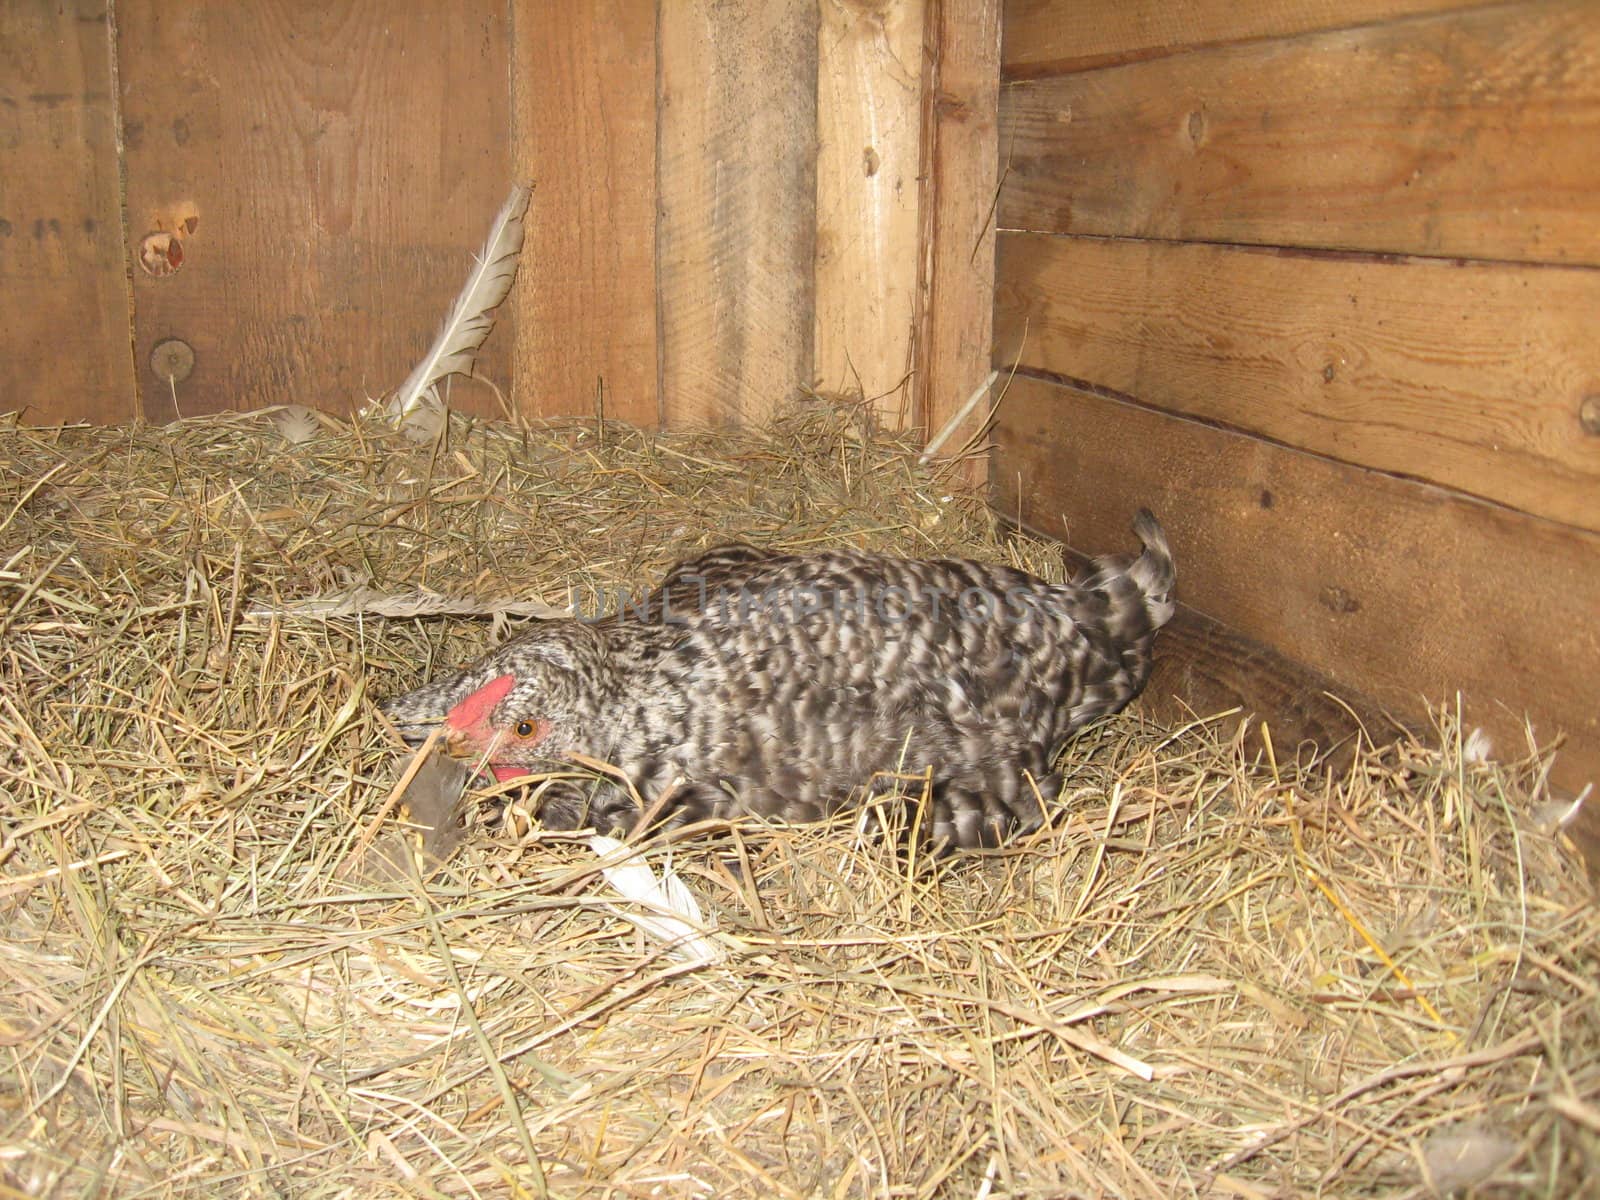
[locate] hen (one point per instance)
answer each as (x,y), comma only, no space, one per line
(776,684)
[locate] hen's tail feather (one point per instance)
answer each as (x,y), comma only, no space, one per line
(1152,573)
(1154,570)
(1127,599)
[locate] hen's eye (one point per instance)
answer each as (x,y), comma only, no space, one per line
(524,728)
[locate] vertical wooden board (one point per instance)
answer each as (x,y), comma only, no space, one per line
(584,87)
(956,323)
(1405,591)
(64,321)
(1473,375)
(737,207)
(1469,135)
(343,162)
(869,150)
(1044,36)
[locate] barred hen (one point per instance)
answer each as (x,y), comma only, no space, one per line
(776,684)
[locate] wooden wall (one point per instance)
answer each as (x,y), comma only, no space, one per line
(1318,284)
(289,190)
(64,317)
(733,202)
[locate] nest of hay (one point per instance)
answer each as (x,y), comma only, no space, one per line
(1213,976)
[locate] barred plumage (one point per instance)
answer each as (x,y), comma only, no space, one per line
(776,684)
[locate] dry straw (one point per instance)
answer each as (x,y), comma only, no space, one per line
(1210,977)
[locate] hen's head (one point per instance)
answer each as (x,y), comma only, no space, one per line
(519,707)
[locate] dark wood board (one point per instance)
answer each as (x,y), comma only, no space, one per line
(1402,591)
(63,267)
(1470,375)
(343,162)
(1471,134)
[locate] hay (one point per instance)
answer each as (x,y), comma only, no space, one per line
(1212,977)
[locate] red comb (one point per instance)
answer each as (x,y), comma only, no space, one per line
(476,708)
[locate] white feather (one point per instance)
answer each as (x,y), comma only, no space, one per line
(471,318)
(673,914)
(296,423)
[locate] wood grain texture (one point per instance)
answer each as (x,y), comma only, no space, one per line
(64,334)
(1394,588)
(1469,375)
(1470,135)
(1203,669)
(584,87)
(869,152)
(344,161)
(1043,36)
(737,196)
(956,321)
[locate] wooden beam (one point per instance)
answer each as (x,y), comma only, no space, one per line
(1397,589)
(956,312)
(584,110)
(869,124)
(737,208)
(1045,36)
(1470,375)
(342,161)
(1469,135)
(63,266)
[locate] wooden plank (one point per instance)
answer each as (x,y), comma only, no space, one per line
(1466,374)
(956,324)
(1207,671)
(64,331)
(1045,36)
(1467,135)
(869,152)
(343,160)
(737,187)
(1392,587)
(1203,669)
(584,88)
